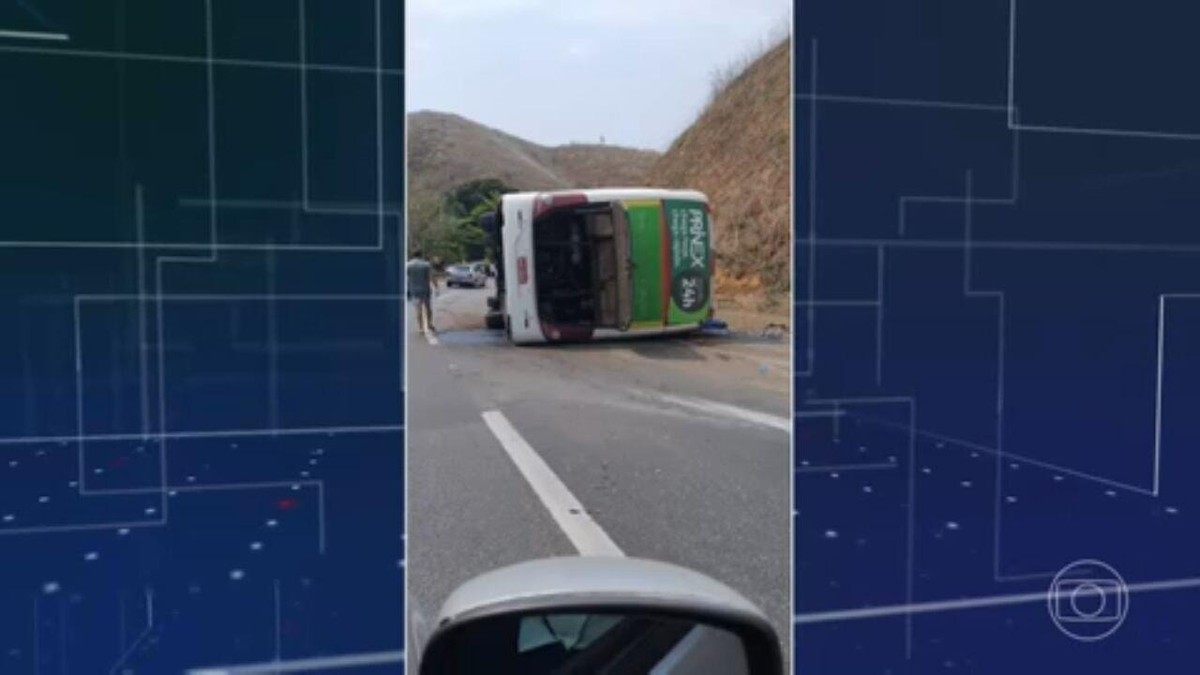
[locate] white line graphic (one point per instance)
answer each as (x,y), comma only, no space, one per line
(900,102)
(810,349)
(143,358)
(969,247)
(213,247)
(911,404)
(1158,381)
(219,433)
(197,60)
(827,468)
(33,35)
(196,253)
(278,633)
(1066,129)
(1009,245)
(879,276)
(141,636)
(806,414)
(964,604)
(837,303)
(305,665)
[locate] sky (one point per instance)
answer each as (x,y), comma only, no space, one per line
(636,72)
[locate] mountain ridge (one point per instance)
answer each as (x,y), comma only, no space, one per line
(447,150)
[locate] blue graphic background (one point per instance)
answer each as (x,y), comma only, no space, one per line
(998,307)
(201,367)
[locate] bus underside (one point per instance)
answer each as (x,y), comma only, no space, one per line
(581,263)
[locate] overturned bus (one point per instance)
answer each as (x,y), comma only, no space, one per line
(592,264)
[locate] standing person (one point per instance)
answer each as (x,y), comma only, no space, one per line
(420,289)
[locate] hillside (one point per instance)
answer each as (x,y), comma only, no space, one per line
(739,153)
(446,150)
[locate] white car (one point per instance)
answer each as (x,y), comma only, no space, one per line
(473,276)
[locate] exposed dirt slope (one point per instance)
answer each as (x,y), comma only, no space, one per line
(739,153)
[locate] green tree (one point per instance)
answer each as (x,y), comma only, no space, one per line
(469,238)
(465,199)
(426,225)
(447,228)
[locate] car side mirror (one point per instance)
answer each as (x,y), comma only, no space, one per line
(599,615)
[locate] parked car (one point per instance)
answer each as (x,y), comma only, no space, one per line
(465,275)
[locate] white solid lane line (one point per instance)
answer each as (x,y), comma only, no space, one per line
(585,534)
(725,410)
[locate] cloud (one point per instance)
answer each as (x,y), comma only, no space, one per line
(646,13)
(470,9)
(646,63)
(597,13)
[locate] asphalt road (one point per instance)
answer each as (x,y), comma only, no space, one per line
(678,449)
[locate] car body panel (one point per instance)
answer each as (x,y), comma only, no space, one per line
(597,585)
(591,578)
(465,275)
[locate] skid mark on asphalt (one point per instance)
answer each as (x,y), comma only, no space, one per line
(584,533)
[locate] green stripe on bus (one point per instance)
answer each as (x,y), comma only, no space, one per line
(690,260)
(645,234)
